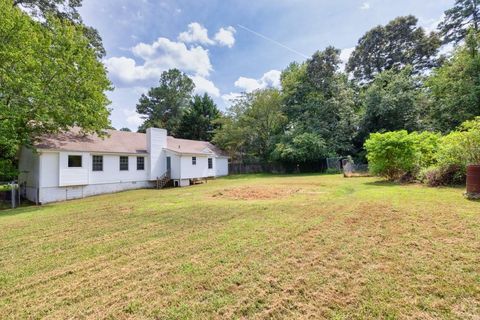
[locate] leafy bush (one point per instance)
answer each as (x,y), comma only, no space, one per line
(461,147)
(426,146)
(400,155)
(442,176)
(391,154)
(426,156)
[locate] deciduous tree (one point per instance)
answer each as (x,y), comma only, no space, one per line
(252,125)
(394,46)
(319,100)
(464,15)
(50,80)
(455,87)
(65,10)
(394,101)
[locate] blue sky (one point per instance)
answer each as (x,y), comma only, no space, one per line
(229,46)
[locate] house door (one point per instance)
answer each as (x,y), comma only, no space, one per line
(169,163)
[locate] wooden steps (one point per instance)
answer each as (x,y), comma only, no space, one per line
(163,180)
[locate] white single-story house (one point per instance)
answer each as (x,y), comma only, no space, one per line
(70,165)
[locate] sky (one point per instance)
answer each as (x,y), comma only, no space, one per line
(229,46)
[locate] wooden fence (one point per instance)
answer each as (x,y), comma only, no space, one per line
(242,168)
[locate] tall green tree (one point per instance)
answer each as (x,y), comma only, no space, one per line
(200,119)
(252,125)
(64,10)
(394,46)
(394,101)
(455,87)
(50,80)
(304,147)
(464,15)
(163,106)
(319,100)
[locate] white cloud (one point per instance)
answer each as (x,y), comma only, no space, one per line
(167,54)
(430,24)
(345,55)
(132,118)
(365,6)
(196,33)
(224,36)
(229,97)
(161,55)
(126,70)
(269,79)
(203,85)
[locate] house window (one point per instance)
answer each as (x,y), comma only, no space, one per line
(97,163)
(123,163)
(74,161)
(210,163)
(194,161)
(140,163)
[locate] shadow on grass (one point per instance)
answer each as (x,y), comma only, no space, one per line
(385,183)
(24,208)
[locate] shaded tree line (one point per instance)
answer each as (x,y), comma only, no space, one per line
(395,79)
(51,78)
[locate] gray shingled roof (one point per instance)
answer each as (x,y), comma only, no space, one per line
(121,142)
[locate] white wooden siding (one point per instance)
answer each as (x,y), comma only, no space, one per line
(199,170)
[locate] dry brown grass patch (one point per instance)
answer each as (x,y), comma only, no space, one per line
(256,193)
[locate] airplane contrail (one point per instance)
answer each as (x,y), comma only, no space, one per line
(274,41)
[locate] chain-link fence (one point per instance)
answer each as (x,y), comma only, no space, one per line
(10,195)
(352,169)
(245,168)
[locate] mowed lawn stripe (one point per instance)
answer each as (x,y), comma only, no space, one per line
(257,246)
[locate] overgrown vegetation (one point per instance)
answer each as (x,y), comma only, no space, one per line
(394,80)
(253,247)
(428,157)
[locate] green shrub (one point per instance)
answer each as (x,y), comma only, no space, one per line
(425,156)
(461,147)
(442,176)
(391,154)
(426,147)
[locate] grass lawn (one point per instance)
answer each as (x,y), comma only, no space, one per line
(258,246)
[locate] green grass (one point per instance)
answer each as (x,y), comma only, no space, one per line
(258,246)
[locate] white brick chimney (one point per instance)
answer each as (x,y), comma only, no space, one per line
(156,142)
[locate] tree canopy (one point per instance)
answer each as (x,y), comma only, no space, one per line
(464,15)
(252,125)
(394,46)
(455,87)
(64,10)
(163,106)
(319,100)
(200,119)
(50,80)
(393,102)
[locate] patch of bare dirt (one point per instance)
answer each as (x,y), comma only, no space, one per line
(256,193)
